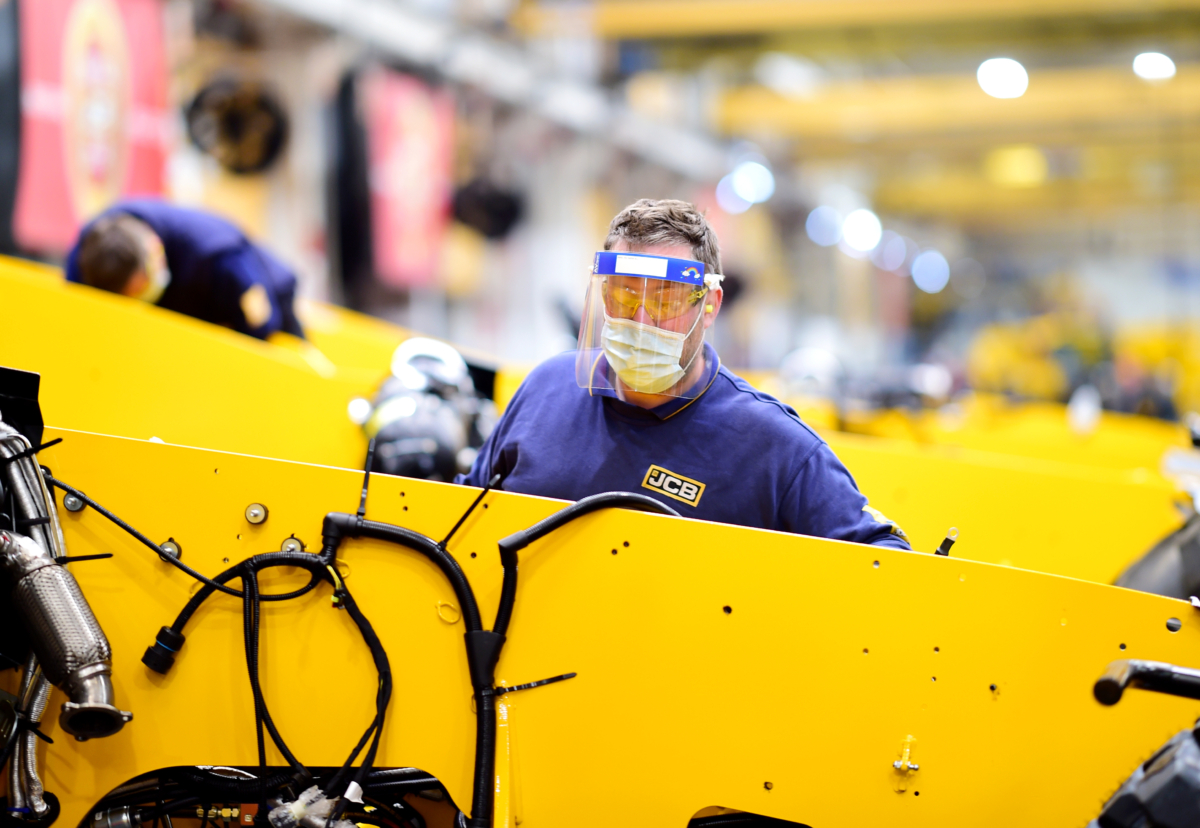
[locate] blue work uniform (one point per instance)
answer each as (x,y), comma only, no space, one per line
(732,455)
(213,266)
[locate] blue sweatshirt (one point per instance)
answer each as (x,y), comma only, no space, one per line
(731,455)
(213,266)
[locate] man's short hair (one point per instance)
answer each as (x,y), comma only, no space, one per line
(111,251)
(651,221)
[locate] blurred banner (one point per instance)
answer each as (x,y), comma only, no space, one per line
(93,113)
(409,131)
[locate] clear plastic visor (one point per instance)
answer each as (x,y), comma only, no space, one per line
(642,336)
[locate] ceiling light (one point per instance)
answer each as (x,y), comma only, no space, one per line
(931,271)
(824,226)
(862,230)
(1153,66)
(752,181)
(1003,78)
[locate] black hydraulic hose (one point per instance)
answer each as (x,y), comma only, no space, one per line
(355,527)
(216,786)
(514,543)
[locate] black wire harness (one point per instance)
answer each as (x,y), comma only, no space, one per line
(483,646)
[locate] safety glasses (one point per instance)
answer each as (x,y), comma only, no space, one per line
(662,300)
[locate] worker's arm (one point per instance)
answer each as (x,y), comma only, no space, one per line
(243,287)
(823,500)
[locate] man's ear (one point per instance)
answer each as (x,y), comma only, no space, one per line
(136,284)
(712,305)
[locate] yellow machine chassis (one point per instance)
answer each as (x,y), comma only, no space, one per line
(717,665)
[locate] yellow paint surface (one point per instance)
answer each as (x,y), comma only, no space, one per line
(829,656)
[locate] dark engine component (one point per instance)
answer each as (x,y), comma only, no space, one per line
(427,419)
(1164,792)
(1171,567)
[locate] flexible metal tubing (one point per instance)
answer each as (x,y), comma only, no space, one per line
(34,790)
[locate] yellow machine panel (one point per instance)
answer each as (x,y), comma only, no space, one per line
(717,665)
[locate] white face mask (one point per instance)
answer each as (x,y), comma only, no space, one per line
(646,358)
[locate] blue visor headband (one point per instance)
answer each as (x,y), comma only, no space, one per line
(610,263)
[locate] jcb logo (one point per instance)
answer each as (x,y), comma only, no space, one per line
(673,485)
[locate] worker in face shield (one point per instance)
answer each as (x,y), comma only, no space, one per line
(187,261)
(644,405)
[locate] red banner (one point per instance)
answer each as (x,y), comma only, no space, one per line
(410,129)
(94,125)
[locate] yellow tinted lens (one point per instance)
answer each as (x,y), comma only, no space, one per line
(661,301)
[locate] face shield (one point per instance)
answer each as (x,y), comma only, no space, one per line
(644,324)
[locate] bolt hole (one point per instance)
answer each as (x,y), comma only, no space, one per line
(224,560)
(402,494)
(865,651)
(215,471)
(768,785)
(916,793)
(1174,624)
(473,555)
(405,508)
(937,649)
(626,544)
(239,537)
(876,564)
(614,551)
(933,678)
(992,687)
(1122,646)
(485,505)
(727,610)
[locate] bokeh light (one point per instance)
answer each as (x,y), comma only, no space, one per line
(728,199)
(891,252)
(359,410)
(1153,66)
(752,182)
(824,226)
(931,271)
(1003,78)
(862,230)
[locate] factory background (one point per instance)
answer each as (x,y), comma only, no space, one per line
(1005,192)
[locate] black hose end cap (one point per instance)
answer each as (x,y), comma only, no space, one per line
(160,657)
(483,651)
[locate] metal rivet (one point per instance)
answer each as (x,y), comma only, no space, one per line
(292,544)
(73,504)
(256,513)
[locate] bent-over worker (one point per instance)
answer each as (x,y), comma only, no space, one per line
(187,261)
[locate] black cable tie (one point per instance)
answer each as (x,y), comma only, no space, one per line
(37,521)
(29,452)
(500,691)
(362,501)
(491,483)
(66,559)
(24,723)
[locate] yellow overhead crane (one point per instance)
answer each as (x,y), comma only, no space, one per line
(718,667)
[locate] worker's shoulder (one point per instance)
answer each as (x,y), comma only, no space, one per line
(754,407)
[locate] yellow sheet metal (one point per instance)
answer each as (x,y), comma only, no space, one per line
(718,666)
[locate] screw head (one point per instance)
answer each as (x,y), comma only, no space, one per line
(256,513)
(73,504)
(292,544)
(897,764)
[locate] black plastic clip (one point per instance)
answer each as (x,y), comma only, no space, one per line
(23,723)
